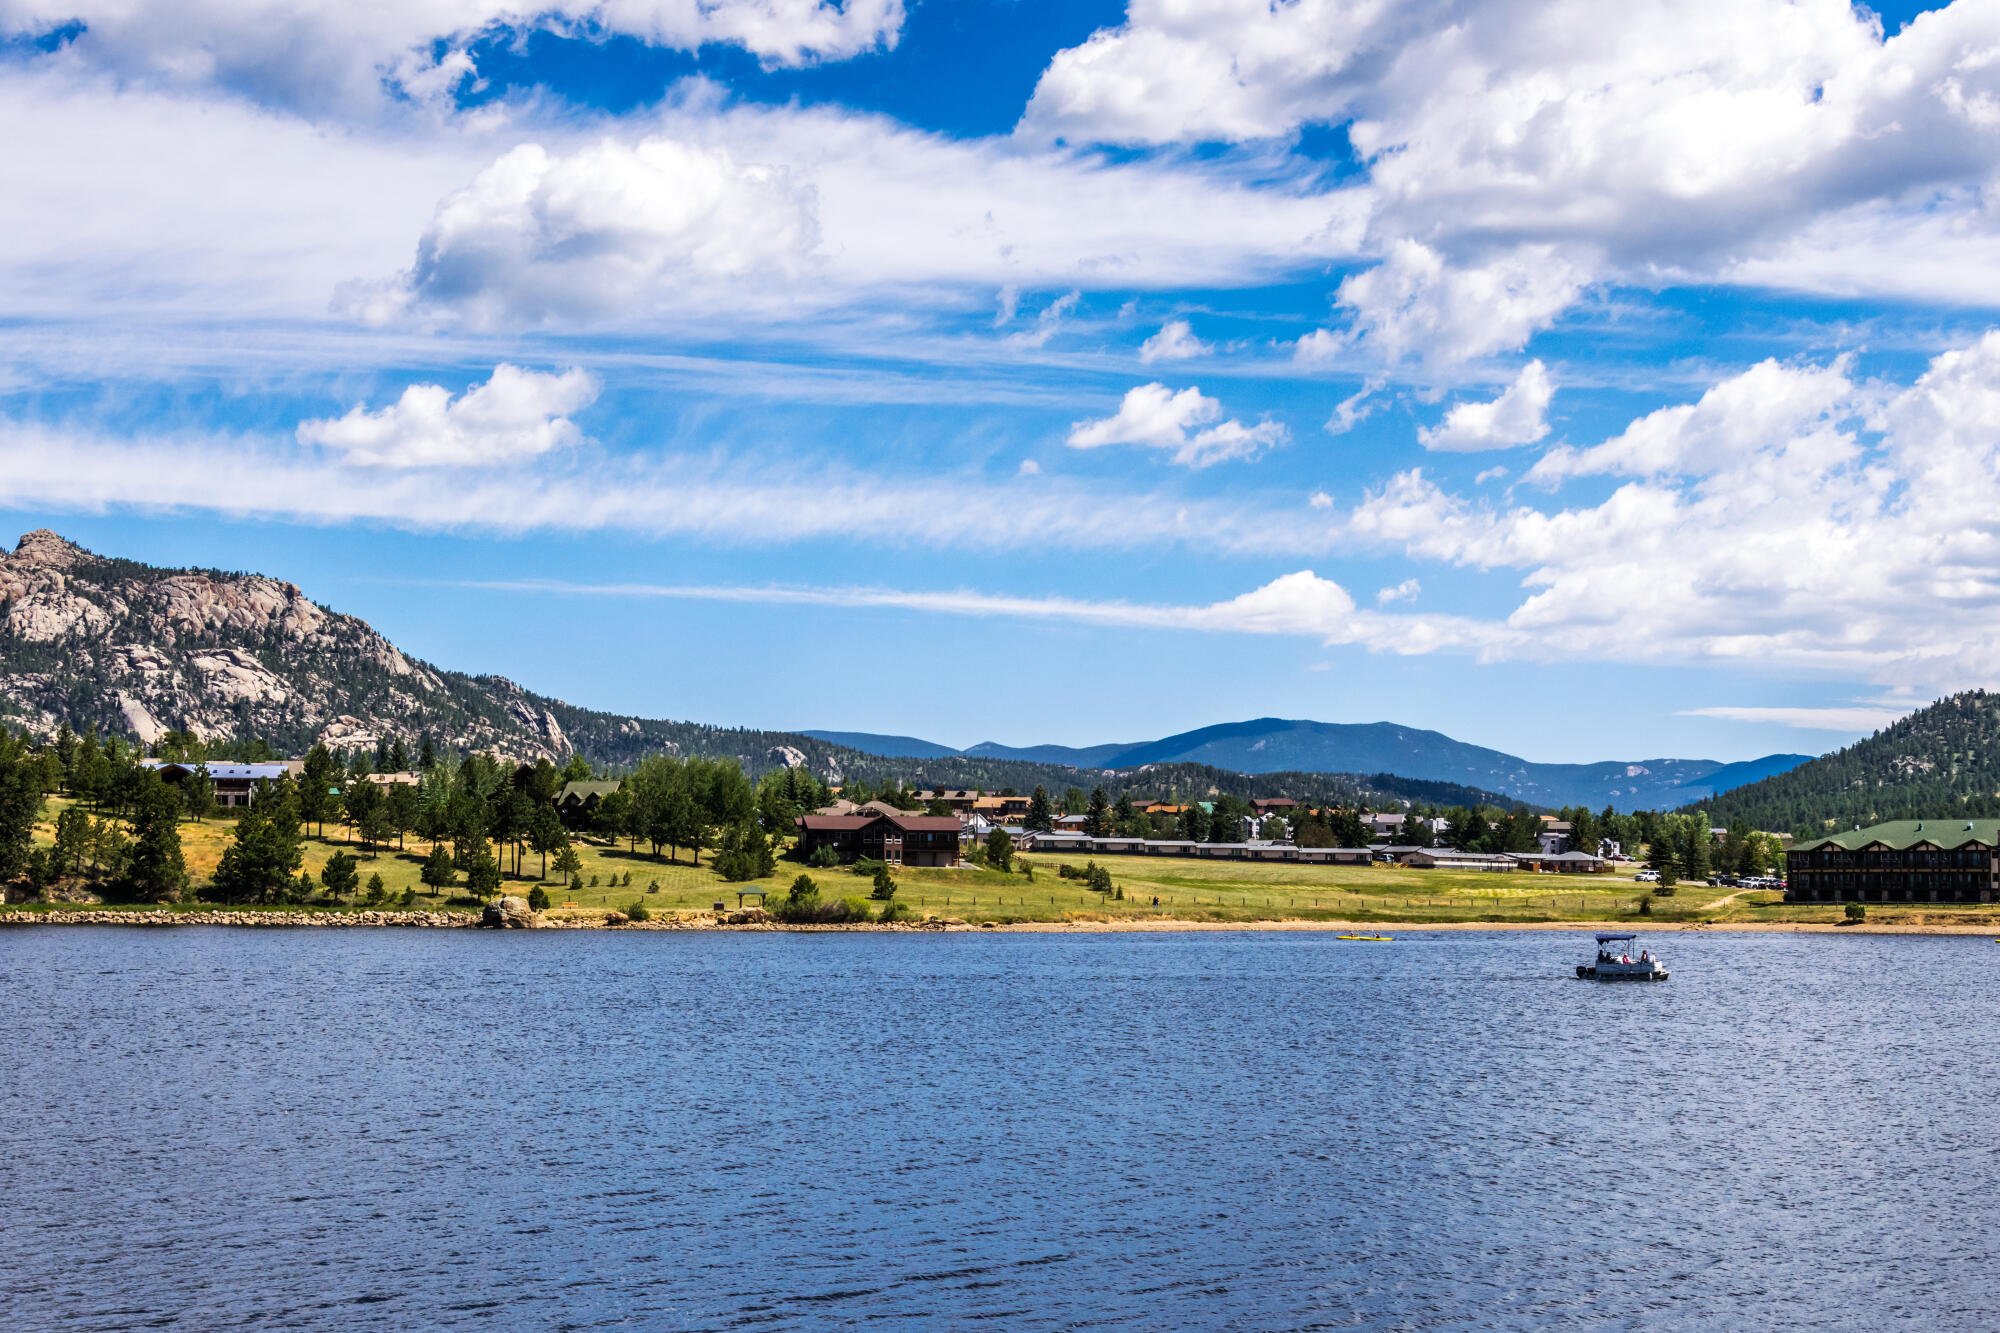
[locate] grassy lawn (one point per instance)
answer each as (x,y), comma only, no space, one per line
(1187,890)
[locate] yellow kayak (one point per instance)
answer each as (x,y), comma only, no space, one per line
(1386,939)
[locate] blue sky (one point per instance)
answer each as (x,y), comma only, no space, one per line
(1587,384)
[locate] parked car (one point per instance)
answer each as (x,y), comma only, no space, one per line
(1647,876)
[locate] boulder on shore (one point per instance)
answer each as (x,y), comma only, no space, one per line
(509,913)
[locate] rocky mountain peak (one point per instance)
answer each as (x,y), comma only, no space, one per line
(50,549)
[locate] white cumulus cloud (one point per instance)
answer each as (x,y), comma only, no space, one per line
(1188,422)
(1174,342)
(1518,152)
(1518,416)
(611,227)
(1417,305)
(516,414)
(1790,518)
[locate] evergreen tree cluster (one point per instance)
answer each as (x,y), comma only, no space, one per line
(1942,762)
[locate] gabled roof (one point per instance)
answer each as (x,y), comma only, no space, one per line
(583,791)
(907,823)
(925,823)
(881,808)
(1903,834)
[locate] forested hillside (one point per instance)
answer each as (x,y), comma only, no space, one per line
(1941,762)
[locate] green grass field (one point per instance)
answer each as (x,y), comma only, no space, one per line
(1218,891)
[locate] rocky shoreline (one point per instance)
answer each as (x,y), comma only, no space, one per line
(496,916)
(227,917)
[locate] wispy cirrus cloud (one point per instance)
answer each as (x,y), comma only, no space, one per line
(330,56)
(1848,718)
(1300,604)
(653,496)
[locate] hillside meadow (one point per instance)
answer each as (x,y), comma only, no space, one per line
(615,876)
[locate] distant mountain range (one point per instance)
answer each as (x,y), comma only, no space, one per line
(1270,745)
(131,649)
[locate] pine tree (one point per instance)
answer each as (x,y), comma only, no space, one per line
(265,854)
(340,874)
(317,780)
(1041,814)
(156,871)
(438,873)
(1097,819)
(482,877)
(1000,850)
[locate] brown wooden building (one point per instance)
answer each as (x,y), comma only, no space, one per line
(910,840)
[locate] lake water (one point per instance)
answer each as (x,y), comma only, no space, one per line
(214,1129)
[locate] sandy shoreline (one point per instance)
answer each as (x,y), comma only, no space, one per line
(1592,927)
(1138,925)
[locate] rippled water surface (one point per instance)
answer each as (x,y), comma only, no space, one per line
(214,1129)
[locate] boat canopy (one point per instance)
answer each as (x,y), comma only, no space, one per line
(1606,939)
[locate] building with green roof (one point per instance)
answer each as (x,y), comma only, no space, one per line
(1906,861)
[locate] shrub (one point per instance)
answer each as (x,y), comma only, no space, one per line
(823,858)
(1856,912)
(1098,878)
(654,887)
(576,883)
(593,881)
(867,868)
(538,899)
(893,911)
(1645,907)
(628,881)
(885,887)
(409,898)
(376,890)
(638,911)
(800,903)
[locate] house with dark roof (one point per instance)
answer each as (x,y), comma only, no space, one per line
(1905,861)
(577,802)
(899,839)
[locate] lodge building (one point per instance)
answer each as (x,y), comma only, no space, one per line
(1908,861)
(899,839)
